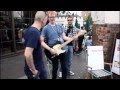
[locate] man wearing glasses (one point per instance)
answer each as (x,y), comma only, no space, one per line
(34,65)
(54,34)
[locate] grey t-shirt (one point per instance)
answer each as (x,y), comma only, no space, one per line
(53,34)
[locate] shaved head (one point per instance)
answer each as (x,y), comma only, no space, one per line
(39,16)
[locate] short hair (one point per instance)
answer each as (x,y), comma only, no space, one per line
(70,16)
(52,13)
(39,16)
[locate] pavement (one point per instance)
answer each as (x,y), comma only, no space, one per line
(13,67)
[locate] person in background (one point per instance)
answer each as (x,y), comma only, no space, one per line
(88,41)
(80,41)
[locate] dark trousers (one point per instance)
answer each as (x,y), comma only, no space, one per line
(80,41)
(41,69)
(55,63)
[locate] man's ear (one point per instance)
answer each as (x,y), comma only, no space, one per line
(39,19)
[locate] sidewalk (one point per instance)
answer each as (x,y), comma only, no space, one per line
(13,67)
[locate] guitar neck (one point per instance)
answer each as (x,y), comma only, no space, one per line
(64,44)
(79,34)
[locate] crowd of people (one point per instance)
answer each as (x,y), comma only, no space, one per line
(59,45)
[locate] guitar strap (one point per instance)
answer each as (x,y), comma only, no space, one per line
(58,33)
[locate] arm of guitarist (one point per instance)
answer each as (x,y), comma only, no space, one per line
(44,45)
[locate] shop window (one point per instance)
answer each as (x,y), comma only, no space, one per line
(12,38)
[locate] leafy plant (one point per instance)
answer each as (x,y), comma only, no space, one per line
(88,21)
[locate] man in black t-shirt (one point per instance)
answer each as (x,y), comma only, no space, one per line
(70,32)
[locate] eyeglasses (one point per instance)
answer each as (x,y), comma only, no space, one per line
(52,17)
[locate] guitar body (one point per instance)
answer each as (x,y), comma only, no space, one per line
(57,48)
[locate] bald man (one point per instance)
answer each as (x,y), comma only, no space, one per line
(34,66)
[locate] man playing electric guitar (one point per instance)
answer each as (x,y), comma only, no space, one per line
(58,47)
(54,34)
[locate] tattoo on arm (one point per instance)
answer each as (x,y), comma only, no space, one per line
(29,58)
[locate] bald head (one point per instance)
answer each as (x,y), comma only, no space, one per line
(39,16)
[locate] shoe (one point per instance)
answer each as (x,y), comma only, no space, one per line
(71,73)
(60,74)
(77,53)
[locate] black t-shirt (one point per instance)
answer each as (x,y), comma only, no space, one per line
(69,30)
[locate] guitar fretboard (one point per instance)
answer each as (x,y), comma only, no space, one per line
(81,33)
(64,44)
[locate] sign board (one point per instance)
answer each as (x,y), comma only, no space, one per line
(116,58)
(95,57)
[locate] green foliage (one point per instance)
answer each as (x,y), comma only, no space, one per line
(76,24)
(62,12)
(89,22)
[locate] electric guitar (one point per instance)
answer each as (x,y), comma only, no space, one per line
(58,47)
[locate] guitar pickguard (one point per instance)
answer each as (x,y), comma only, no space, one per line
(58,49)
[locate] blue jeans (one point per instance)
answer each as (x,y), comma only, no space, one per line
(69,57)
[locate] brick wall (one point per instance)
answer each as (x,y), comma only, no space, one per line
(103,34)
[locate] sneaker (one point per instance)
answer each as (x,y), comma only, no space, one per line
(77,53)
(71,73)
(60,74)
